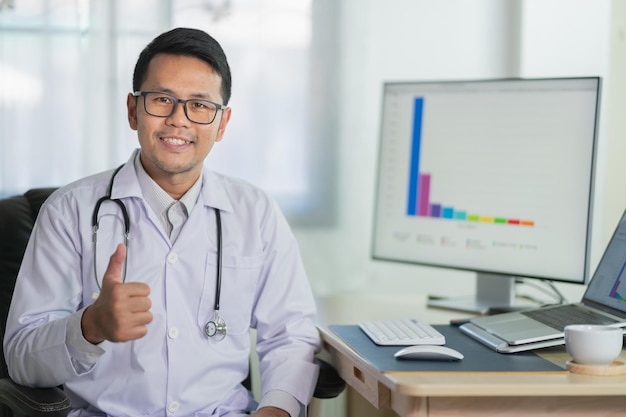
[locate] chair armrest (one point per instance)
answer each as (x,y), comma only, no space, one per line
(33,402)
(329,383)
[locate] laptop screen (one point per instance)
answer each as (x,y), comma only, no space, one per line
(608,284)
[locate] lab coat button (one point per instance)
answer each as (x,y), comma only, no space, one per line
(172,258)
(173,407)
(173,332)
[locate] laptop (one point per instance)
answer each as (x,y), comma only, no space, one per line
(604,302)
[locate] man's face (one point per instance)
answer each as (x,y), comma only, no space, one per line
(173,148)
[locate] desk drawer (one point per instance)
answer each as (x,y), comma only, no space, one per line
(361,380)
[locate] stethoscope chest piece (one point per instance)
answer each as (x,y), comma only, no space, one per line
(216,328)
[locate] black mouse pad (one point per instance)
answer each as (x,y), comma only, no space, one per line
(478,358)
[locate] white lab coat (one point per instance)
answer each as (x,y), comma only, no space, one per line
(175,369)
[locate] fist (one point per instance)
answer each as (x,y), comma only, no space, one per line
(122,310)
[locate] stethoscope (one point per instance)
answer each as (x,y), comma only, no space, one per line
(215,328)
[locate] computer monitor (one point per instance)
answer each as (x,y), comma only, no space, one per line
(491,176)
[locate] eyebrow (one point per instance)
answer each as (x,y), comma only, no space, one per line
(195,95)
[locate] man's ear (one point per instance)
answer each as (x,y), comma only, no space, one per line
(223,123)
(131,105)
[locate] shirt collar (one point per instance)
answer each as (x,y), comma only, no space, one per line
(214,193)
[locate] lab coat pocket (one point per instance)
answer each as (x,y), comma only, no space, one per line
(240,276)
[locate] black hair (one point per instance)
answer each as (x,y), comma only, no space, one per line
(188,42)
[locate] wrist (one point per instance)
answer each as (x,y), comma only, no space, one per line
(270,412)
(88,328)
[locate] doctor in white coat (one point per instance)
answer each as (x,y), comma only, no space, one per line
(162,326)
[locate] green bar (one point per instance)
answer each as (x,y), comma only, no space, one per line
(499,220)
(473,217)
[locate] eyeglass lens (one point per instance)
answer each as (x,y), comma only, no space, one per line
(164,105)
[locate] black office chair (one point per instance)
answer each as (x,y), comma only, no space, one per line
(17,217)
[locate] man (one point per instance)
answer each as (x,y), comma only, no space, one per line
(163,328)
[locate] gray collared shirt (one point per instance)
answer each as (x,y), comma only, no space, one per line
(171,213)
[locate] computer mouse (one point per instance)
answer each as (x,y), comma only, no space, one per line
(429,352)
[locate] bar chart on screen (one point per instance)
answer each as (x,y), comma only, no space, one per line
(490,176)
(473,177)
(479,179)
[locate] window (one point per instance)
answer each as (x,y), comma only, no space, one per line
(66,68)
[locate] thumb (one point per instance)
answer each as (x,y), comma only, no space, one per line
(116,262)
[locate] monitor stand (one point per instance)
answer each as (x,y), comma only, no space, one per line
(494,293)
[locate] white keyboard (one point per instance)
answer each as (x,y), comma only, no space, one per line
(402,332)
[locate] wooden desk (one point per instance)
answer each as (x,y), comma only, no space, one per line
(463,394)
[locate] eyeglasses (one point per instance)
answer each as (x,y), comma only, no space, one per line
(163,105)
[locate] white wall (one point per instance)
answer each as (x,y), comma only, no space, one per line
(421,39)
(614,182)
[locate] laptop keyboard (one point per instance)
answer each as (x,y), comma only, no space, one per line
(560,316)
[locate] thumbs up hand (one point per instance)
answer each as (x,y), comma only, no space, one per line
(122,310)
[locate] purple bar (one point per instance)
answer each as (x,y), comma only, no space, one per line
(435,210)
(424,195)
(613,292)
(617,281)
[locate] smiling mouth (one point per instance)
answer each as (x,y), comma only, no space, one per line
(176,141)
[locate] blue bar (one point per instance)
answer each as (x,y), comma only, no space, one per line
(414,168)
(447,212)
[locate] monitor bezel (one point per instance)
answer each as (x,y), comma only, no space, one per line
(586,274)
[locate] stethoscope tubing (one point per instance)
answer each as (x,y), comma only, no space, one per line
(218,284)
(95,226)
(217,323)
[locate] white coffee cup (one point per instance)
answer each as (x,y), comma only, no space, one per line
(589,344)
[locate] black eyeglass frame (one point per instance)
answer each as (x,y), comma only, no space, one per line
(183,102)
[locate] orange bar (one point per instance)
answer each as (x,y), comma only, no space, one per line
(527,223)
